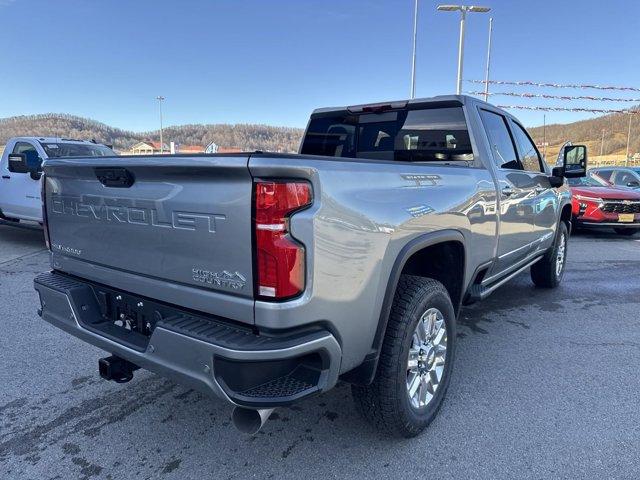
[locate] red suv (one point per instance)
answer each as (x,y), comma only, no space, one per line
(597,203)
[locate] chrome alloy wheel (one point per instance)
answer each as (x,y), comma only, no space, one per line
(560,256)
(427,356)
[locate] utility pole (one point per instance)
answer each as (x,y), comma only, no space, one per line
(160,98)
(486,76)
(413,56)
(602,144)
(544,135)
(463,9)
(628,138)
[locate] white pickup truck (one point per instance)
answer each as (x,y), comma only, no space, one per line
(21,169)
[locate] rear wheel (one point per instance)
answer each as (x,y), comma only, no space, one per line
(548,271)
(627,232)
(415,361)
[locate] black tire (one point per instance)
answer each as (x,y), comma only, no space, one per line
(544,273)
(627,232)
(386,403)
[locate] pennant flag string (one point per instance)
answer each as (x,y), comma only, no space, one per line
(564,109)
(559,97)
(555,85)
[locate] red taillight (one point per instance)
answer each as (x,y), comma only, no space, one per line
(43,196)
(280,259)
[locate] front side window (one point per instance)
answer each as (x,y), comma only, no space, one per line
(434,134)
(502,149)
(529,155)
(32,157)
(606,174)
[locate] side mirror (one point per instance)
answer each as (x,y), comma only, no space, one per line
(574,161)
(557,177)
(29,162)
(18,163)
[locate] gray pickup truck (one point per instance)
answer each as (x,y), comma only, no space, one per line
(264,278)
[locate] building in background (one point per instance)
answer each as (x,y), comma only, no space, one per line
(147,148)
(215,148)
(179,148)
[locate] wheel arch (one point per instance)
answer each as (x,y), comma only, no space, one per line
(566,215)
(411,260)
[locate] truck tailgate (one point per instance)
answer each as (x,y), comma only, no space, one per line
(173,228)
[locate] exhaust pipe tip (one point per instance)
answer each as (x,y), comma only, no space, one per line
(249,420)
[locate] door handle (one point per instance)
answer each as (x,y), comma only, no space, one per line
(508,191)
(6,176)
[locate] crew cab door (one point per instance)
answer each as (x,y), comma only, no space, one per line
(19,192)
(545,200)
(517,234)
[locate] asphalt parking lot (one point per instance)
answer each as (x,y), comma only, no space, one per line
(546,386)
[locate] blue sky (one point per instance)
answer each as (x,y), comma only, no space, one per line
(273,61)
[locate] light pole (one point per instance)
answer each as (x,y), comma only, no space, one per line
(463,9)
(160,98)
(413,57)
(486,75)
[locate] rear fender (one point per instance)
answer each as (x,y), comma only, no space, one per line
(365,373)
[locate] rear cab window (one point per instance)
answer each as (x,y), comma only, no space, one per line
(411,135)
(70,149)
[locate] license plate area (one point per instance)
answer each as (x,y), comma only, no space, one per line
(127,312)
(125,318)
(626,217)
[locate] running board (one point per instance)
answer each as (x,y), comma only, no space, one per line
(30,226)
(477,292)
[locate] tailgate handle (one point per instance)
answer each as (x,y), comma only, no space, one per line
(115,177)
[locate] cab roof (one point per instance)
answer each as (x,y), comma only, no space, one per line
(439,100)
(57,140)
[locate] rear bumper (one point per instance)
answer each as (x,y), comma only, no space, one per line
(217,358)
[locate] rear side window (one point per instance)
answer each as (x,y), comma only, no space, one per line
(625,179)
(502,149)
(529,155)
(436,134)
